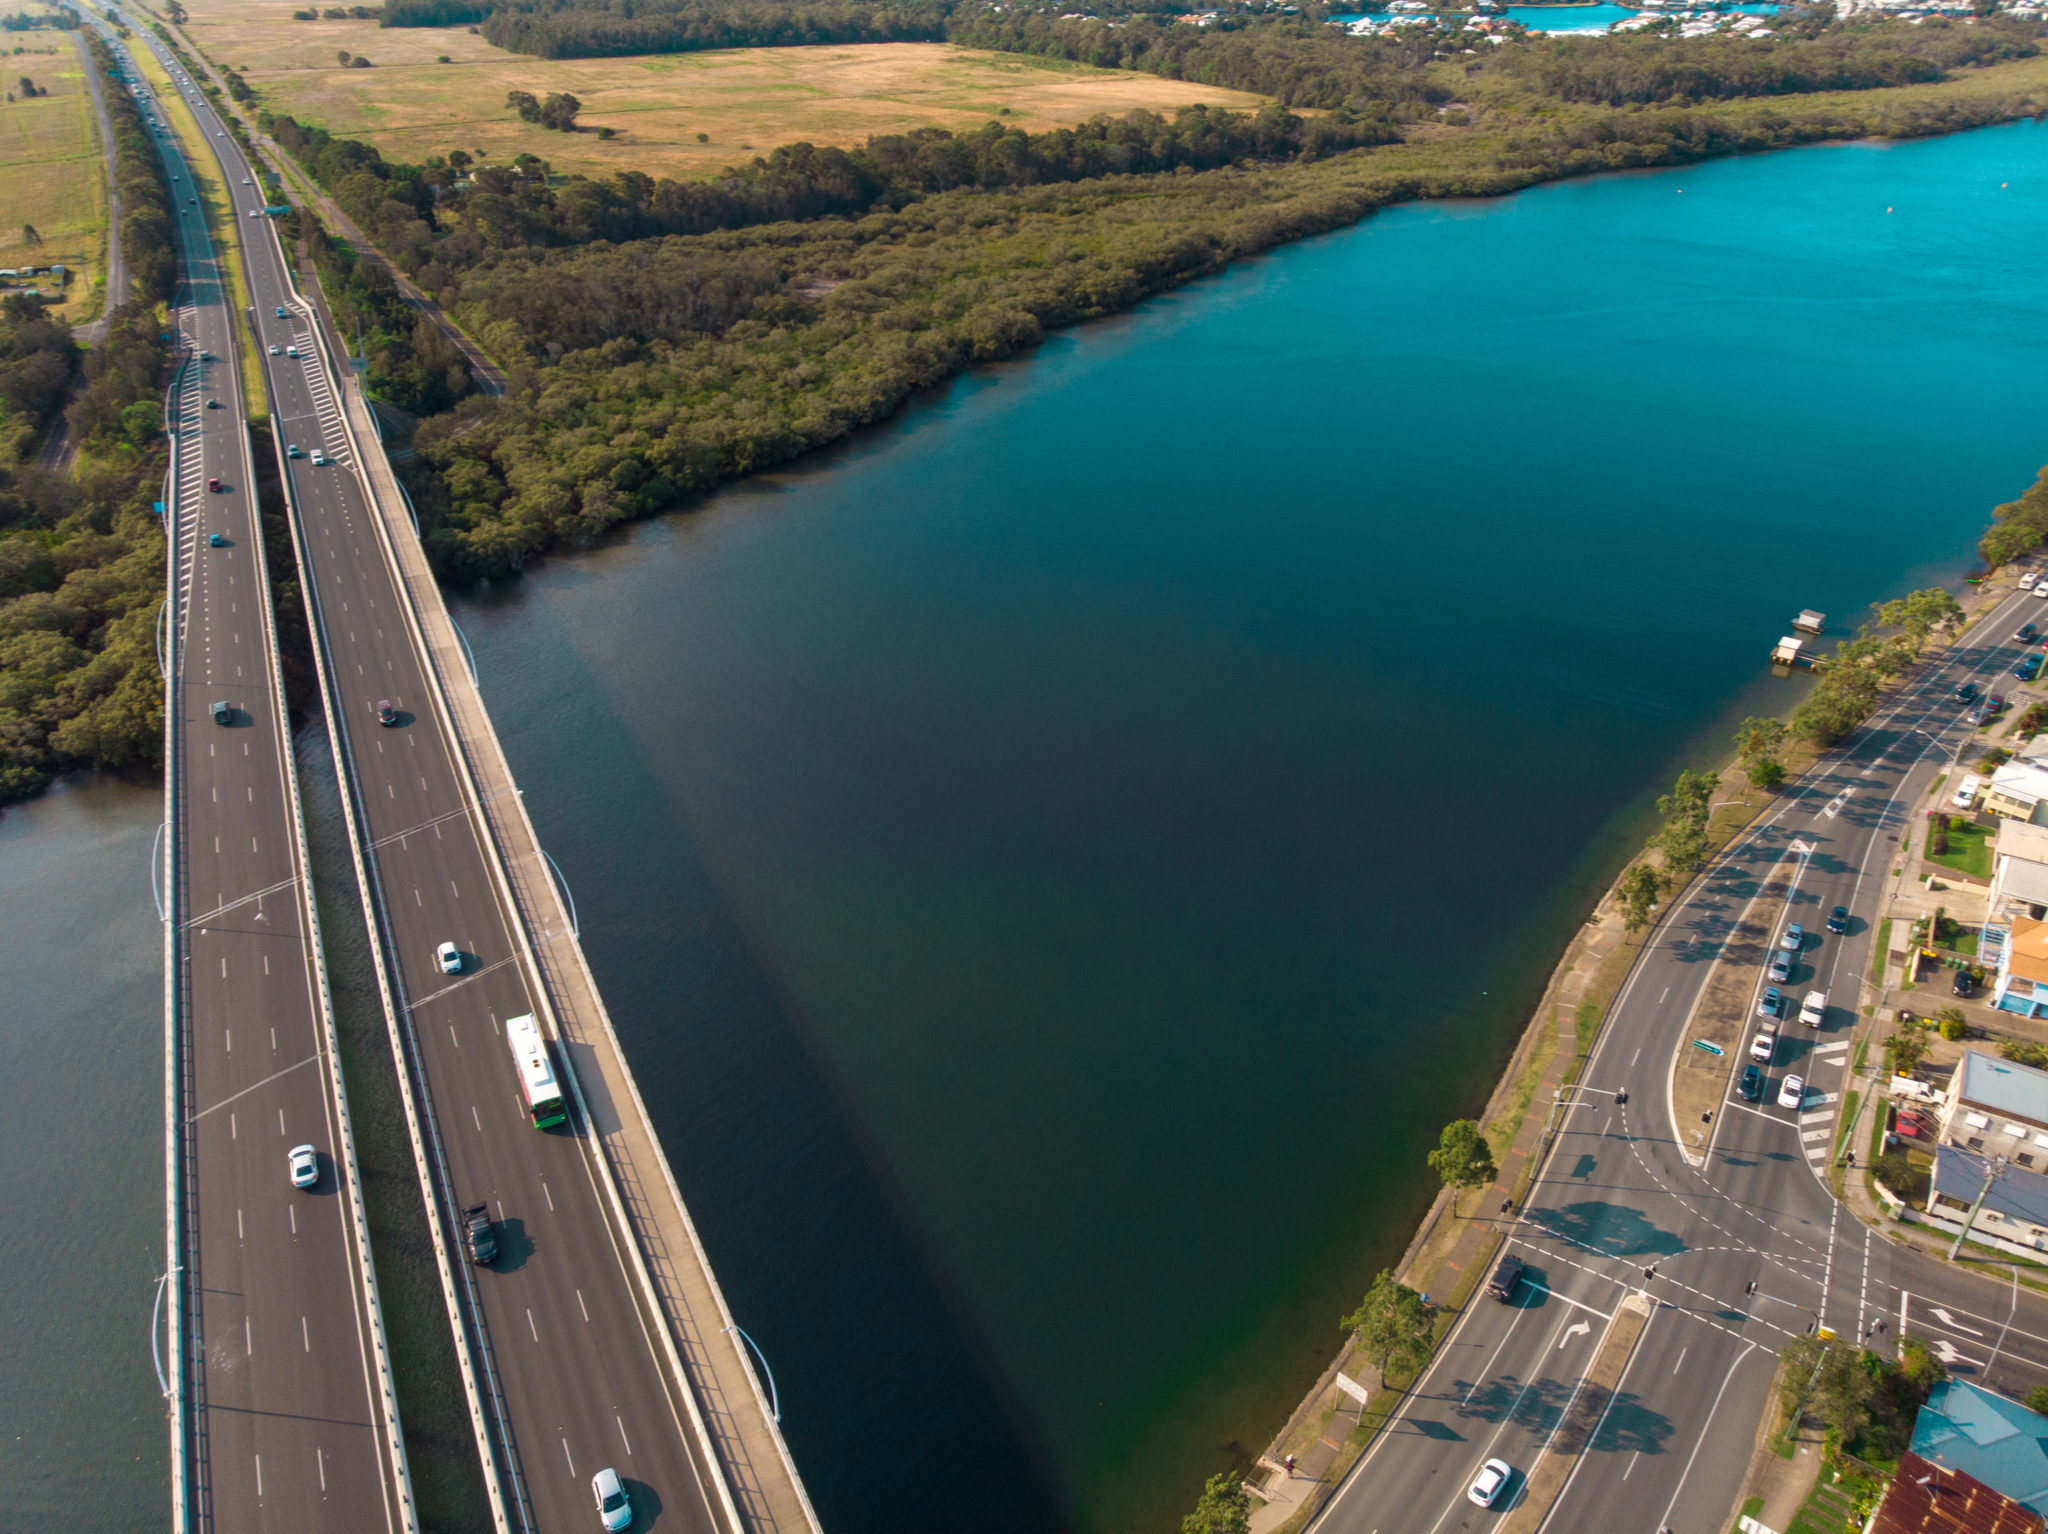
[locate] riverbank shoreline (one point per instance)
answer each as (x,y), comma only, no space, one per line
(1593,969)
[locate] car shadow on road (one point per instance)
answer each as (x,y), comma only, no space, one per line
(514,1246)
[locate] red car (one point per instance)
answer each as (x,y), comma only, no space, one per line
(213,484)
(1914,1127)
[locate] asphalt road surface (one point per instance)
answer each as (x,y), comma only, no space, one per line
(283,1425)
(557,1322)
(1620,1205)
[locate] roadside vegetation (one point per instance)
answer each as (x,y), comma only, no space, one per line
(82,555)
(53,182)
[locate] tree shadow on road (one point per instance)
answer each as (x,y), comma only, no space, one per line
(1631,1428)
(1613,1230)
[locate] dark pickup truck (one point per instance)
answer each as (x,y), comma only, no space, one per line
(483,1241)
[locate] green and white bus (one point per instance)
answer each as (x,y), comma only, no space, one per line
(538,1088)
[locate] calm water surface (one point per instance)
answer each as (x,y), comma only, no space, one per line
(81,1162)
(1056,864)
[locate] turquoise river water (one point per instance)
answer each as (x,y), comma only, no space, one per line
(1056,862)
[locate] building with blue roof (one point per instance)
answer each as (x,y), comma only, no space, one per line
(1989,1438)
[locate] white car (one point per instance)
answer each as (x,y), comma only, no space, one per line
(1763,1046)
(1793,1093)
(245,181)
(1486,1489)
(2027,580)
(449,958)
(1814,1008)
(614,1507)
(277,351)
(2041,588)
(305,1165)
(319,459)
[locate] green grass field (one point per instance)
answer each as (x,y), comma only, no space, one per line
(52,169)
(743,101)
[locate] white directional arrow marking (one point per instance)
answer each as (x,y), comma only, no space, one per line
(1952,1323)
(1570,1332)
(1945,1350)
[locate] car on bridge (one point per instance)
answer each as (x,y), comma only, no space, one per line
(483,1241)
(1792,1094)
(449,957)
(304,1162)
(291,450)
(386,714)
(216,541)
(213,485)
(280,311)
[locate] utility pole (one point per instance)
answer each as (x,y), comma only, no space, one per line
(1992,1173)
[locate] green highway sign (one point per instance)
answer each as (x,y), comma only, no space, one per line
(1712,1049)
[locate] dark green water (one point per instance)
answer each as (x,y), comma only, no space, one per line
(81,1162)
(1056,863)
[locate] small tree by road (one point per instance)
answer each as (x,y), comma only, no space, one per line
(1462,1158)
(1396,1327)
(1224,1508)
(1638,893)
(1686,811)
(1906,1048)
(1758,744)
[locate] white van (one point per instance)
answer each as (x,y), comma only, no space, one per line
(1966,792)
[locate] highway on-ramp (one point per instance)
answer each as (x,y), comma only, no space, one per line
(569,1358)
(1621,1207)
(282,1419)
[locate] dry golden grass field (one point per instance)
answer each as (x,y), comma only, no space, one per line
(744,101)
(52,170)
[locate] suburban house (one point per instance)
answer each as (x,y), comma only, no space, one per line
(1978,1465)
(2016,951)
(2019,789)
(1995,1109)
(2019,871)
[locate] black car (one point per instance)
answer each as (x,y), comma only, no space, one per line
(1752,1082)
(1967,693)
(1964,984)
(1838,919)
(1506,1274)
(2026,633)
(483,1241)
(223,713)
(386,714)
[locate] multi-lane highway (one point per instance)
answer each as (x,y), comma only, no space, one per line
(282,1419)
(1622,1207)
(567,1360)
